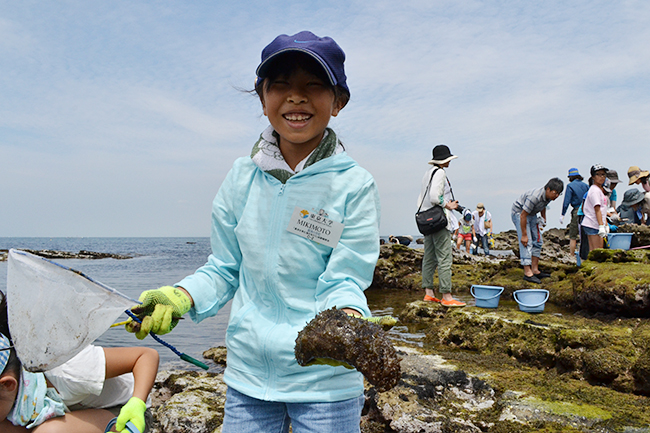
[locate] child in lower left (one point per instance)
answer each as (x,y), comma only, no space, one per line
(73,397)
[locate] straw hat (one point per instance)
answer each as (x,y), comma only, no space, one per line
(635,173)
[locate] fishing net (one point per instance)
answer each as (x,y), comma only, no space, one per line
(54,311)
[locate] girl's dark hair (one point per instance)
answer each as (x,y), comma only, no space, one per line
(285,64)
(572,178)
(13,364)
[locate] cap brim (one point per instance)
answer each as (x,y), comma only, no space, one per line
(433,161)
(262,69)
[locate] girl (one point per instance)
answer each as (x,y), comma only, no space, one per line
(71,398)
(294,232)
(594,223)
(466,231)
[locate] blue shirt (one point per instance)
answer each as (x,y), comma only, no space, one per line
(575,191)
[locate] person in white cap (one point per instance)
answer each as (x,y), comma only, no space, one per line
(594,223)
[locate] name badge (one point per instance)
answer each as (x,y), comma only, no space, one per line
(315,226)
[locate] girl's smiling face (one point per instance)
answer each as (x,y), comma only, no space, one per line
(299,107)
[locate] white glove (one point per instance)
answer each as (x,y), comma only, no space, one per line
(475,240)
(602,232)
(561,219)
(541,222)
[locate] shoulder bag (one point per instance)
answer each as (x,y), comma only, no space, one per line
(433,219)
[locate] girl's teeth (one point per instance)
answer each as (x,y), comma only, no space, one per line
(296,117)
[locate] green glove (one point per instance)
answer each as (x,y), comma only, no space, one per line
(386,322)
(160,311)
(331,362)
(132,411)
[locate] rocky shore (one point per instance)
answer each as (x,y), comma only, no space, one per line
(581,366)
(82,254)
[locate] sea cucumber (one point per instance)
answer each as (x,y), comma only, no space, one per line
(365,346)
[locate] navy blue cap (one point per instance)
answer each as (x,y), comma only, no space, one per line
(324,50)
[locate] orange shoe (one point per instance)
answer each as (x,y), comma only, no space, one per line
(452,303)
(428,298)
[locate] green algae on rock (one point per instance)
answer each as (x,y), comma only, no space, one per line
(601,367)
(332,334)
(608,287)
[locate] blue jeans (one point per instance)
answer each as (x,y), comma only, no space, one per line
(534,247)
(244,414)
(483,242)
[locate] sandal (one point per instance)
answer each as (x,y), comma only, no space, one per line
(452,303)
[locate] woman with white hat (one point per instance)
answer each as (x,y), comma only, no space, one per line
(437,246)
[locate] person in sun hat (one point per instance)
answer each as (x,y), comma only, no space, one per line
(575,191)
(612,175)
(436,191)
(528,225)
(612,199)
(641,177)
(631,209)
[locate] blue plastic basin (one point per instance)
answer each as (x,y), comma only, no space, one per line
(486,296)
(619,241)
(531,300)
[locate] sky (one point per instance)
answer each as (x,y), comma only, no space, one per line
(122,118)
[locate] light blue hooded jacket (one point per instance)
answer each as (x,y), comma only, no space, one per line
(279,281)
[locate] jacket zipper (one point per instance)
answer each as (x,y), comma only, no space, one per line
(270,279)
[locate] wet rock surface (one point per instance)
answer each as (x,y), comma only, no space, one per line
(187,401)
(434,394)
(579,367)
